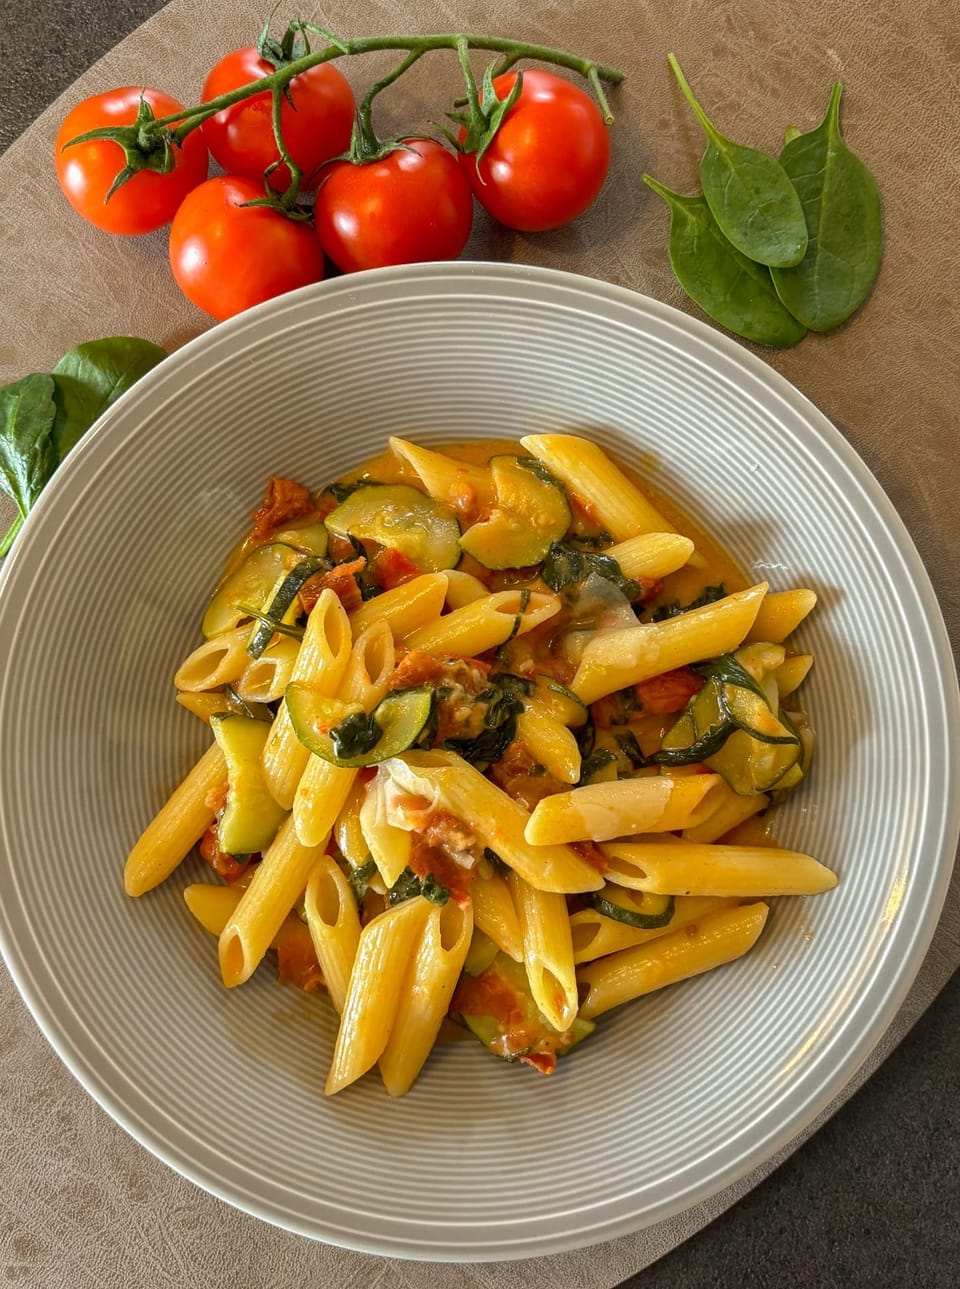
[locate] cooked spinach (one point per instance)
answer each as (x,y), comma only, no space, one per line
(503,699)
(841,204)
(709,595)
(565,565)
(536,466)
(43,416)
(733,289)
(598,760)
(627,742)
(408,886)
(356,734)
(359,878)
(749,194)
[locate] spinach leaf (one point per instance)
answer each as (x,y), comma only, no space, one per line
(504,705)
(565,566)
(91,377)
(408,886)
(596,761)
(749,194)
(359,878)
(709,595)
(841,204)
(28,456)
(356,734)
(536,467)
(733,289)
(630,748)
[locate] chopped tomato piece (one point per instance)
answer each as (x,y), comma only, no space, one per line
(416,668)
(391,568)
(226,866)
(428,860)
(545,1062)
(488,995)
(591,852)
(340,548)
(663,695)
(296,957)
(516,775)
(341,579)
(283,501)
(650,588)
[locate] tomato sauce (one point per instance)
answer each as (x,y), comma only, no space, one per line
(284,501)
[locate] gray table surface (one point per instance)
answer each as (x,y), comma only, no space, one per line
(874,1198)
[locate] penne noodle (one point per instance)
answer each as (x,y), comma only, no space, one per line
(596,936)
(177,827)
(389,846)
(218,661)
(404,608)
(547,951)
(484,624)
(792,672)
(549,741)
(716,939)
(621,808)
(780,614)
(495,912)
(697,869)
(213,905)
(347,831)
(610,498)
(426,995)
(449,782)
(264,679)
(651,554)
(380,972)
(731,809)
(463,588)
(467,488)
(277,884)
(612,660)
(331,911)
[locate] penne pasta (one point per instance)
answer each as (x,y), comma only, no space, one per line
(714,940)
(463,588)
(612,660)
(610,498)
(389,846)
(596,936)
(264,679)
(277,884)
(321,662)
(177,827)
(742,871)
(780,614)
(547,951)
(484,624)
(730,810)
(426,995)
(218,661)
(549,741)
(334,922)
(495,912)
(404,608)
(379,977)
(467,488)
(621,808)
(792,672)
(651,554)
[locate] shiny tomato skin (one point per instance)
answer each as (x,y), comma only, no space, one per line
(317,128)
(227,256)
(411,206)
(85,172)
(548,160)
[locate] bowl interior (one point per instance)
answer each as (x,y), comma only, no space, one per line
(675,1096)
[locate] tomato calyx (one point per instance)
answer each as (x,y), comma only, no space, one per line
(485,111)
(145,145)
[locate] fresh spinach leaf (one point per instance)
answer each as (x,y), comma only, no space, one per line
(566,566)
(359,878)
(709,595)
(733,289)
(408,886)
(28,456)
(595,762)
(536,467)
(503,698)
(841,204)
(91,377)
(749,194)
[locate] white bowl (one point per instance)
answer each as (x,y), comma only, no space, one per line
(675,1096)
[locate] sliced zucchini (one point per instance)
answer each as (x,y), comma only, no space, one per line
(531,513)
(639,909)
(249,584)
(481,953)
(354,738)
(751,766)
(281,600)
(251,817)
(310,538)
(403,518)
(519,1029)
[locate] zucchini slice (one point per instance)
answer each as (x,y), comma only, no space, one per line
(514,1028)
(251,817)
(352,739)
(281,600)
(639,909)
(403,518)
(251,583)
(532,512)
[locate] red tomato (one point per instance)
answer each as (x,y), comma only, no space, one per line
(548,160)
(316,128)
(227,256)
(146,201)
(412,205)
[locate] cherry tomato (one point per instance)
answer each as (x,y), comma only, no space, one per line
(412,205)
(315,128)
(147,200)
(548,160)
(227,256)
